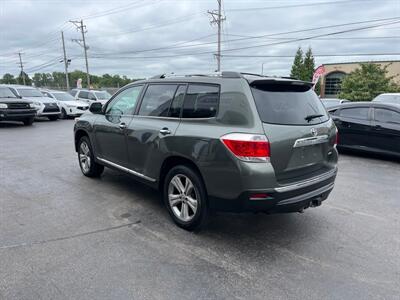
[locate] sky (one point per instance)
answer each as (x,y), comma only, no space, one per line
(142,38)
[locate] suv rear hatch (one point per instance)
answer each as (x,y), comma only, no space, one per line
(299,130)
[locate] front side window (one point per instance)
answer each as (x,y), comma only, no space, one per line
(360,113)
(103,95)
(201,101)
(387,116)
(124,103)
(83,95)
(157,100)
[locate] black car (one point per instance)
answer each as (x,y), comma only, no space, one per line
(13,108)
(370,126)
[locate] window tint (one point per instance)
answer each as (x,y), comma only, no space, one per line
(387,116)
(157,100)
(360,113)
(125,102)
(83,94)
(175,109)
(92,97)
(201,101)
(288,104)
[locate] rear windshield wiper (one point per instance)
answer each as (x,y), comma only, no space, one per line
(310,117)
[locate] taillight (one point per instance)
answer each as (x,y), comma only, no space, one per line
(248,147)
(336,138)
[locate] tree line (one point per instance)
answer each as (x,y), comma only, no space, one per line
(56,80)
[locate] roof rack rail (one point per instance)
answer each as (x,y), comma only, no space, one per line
(160,76)
(230,74)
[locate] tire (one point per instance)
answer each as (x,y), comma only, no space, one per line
(63,114)
(186,213)
(87,163)
(53,118)
(28,121)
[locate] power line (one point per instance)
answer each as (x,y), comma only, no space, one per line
(315,55)
(257,37)
(293,5)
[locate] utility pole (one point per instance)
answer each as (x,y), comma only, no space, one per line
(79,25)
(218,19)
(21,65)
(66,61)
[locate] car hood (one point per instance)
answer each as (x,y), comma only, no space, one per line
(14,100)
(41,99)
(75,103)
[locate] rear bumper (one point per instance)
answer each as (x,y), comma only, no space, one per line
(290,198)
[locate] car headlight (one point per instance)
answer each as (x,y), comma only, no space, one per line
(3,105)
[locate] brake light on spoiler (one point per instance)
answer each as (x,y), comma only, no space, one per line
(248,147)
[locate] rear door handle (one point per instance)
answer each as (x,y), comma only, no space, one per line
(165,131)
(122,126)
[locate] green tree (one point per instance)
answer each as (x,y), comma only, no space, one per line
(308,66)
(367,82)
(297,67)
(8,79)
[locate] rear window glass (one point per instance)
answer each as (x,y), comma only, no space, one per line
(288,104)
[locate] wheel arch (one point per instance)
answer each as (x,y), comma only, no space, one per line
(78,135)
(173,161)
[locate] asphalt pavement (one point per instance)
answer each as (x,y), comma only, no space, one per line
(65,236)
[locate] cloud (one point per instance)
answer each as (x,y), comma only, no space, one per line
(120,34)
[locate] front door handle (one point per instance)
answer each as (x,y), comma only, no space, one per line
(122,126)
(165,131)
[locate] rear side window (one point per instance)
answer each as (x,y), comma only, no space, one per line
(288,104)
(157,100)
(175,109)
(201,101)
(387,116)
(360,113)
(83,94)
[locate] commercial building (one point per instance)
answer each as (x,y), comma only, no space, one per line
(334,74)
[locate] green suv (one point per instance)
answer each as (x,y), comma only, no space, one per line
(224,142)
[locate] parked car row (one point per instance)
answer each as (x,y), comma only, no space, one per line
(25,103)
(368,126)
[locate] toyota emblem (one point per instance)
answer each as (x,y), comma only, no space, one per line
(314,132)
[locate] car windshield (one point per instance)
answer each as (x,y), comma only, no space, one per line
(288,104)
(30,93)
(63,97)
(6,93)
(388,99)
(103,95)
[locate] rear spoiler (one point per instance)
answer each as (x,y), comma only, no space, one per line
(276,84)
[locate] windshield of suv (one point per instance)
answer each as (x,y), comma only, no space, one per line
(63,97)
(103,95)
(29,93)
(6,93)
(288,104)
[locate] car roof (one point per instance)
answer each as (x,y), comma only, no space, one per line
(365,104)
(52,91)
(87,90)
(389,94)
(216,77)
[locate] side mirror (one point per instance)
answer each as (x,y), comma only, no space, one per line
(96,108)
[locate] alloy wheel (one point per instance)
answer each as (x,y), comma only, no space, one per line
(84,157)
(183,197)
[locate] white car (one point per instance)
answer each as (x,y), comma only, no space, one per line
(69,106)
(388,98)
(45,107)
(90,96)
